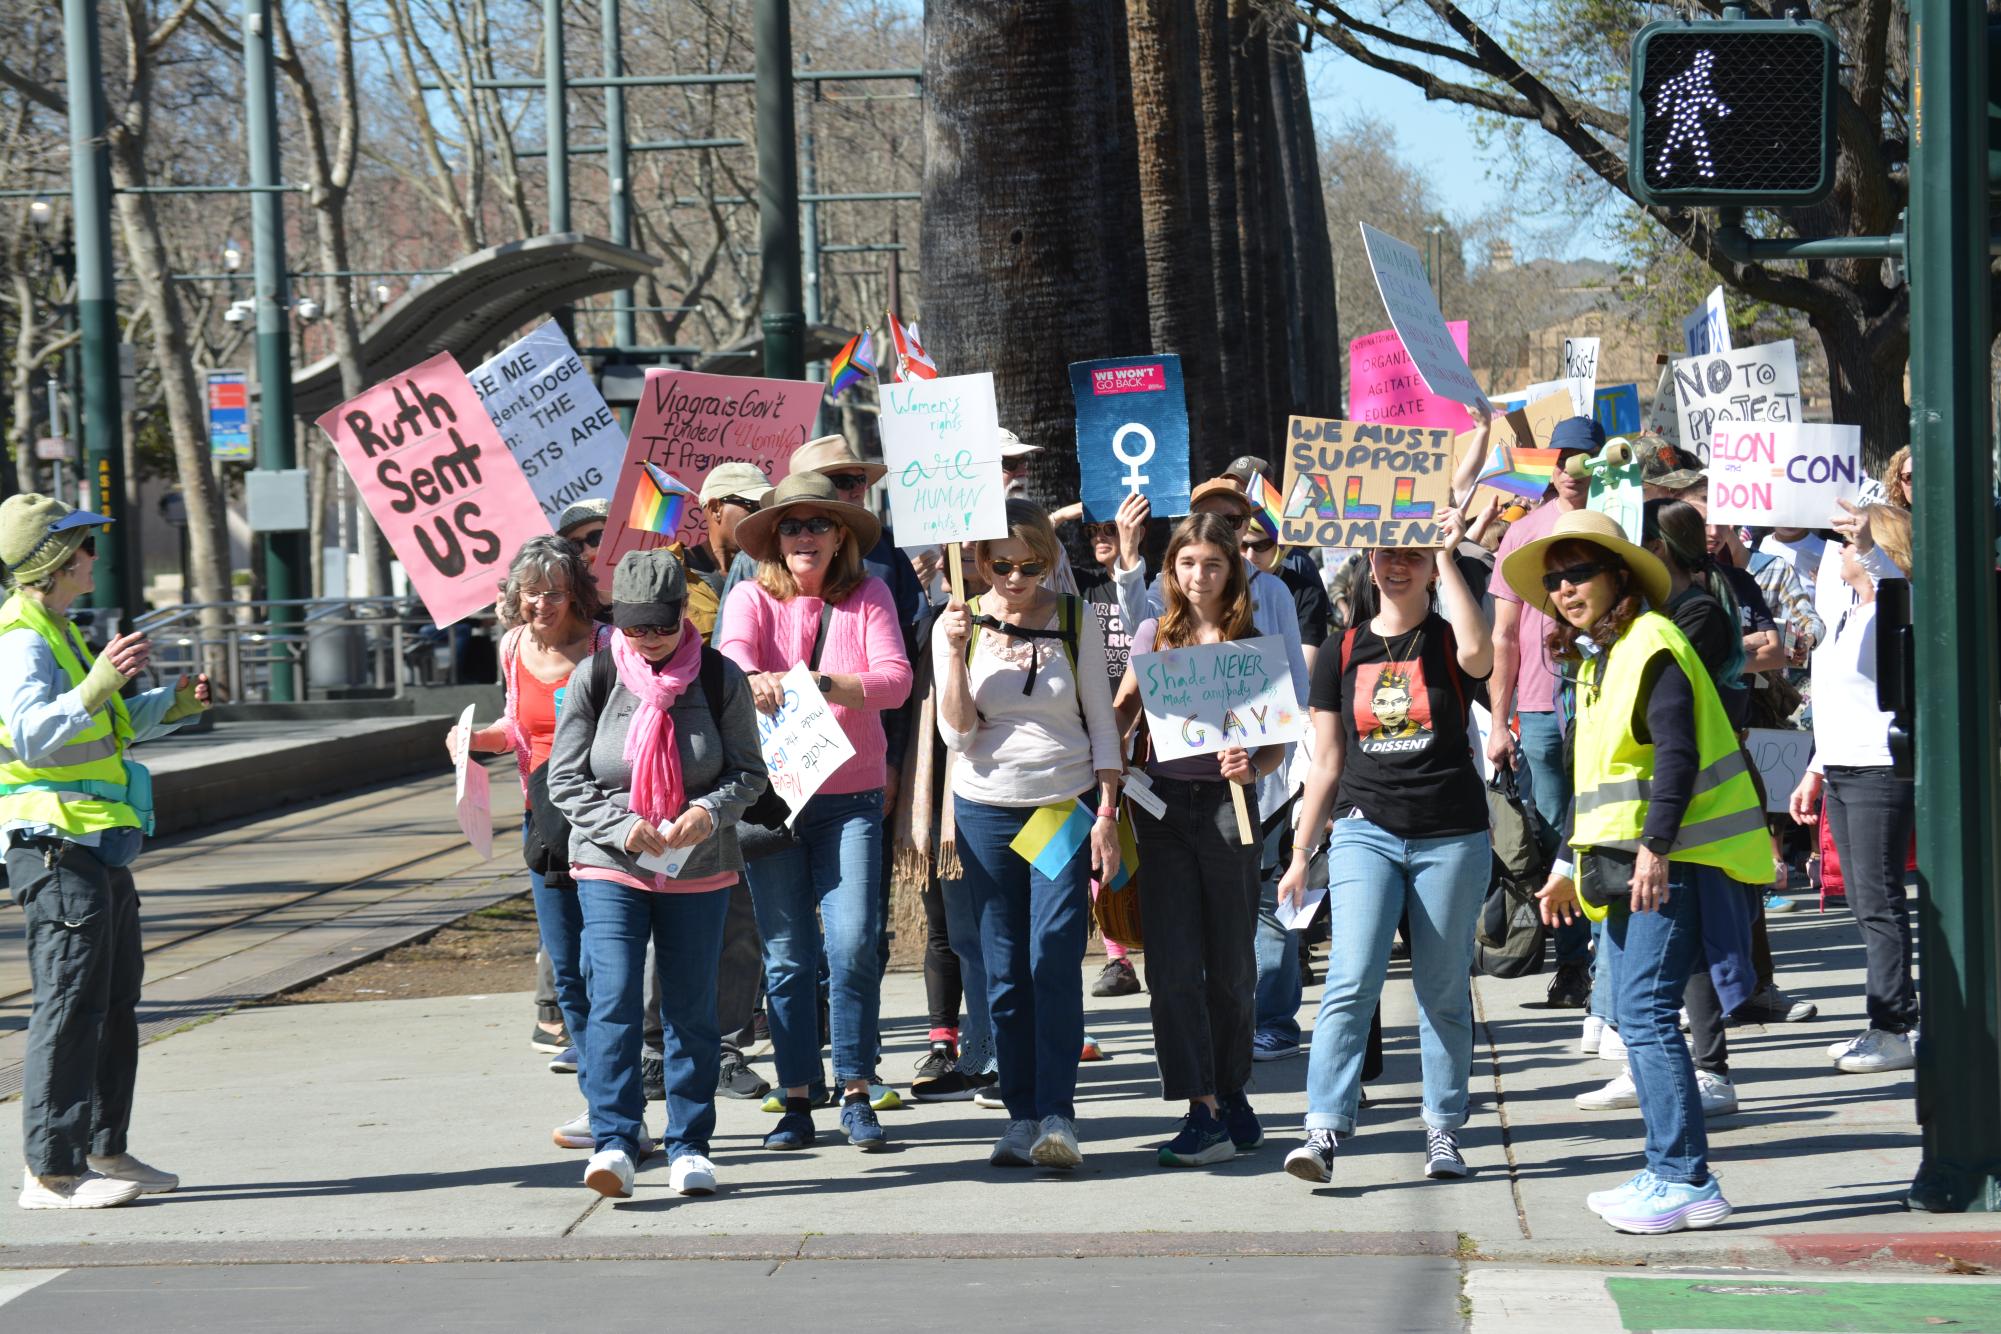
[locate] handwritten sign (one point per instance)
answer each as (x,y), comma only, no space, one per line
(803,743)
(473,796)
(442,486)
(941,440)
(1118,641)
(1783,475)
(1384,386)
(1209,697)
(555,422)
(1405,288)
(687,423)
(1132,434)
(1364,484)
(1750,384)
(1707,329)
(1662,418)
(1782,756)
(1580,362)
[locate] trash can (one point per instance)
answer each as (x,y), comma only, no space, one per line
(333,648)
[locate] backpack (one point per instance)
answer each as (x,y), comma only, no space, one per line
(1509,938)
(1069,615)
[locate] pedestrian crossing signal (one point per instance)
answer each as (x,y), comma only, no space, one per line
(1733,112)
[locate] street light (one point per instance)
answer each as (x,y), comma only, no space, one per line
(232,256)
(306,309)
(382,294)
(41,214)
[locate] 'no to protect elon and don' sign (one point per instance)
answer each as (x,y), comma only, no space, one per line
(1365,484)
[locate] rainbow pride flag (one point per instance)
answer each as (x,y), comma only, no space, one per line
(851,364)
(1518,471)
(661,501)
(1266,503)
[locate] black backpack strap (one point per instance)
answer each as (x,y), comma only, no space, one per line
(601,675)
(712,683)
(820,636)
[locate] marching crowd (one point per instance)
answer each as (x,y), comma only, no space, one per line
(685,913)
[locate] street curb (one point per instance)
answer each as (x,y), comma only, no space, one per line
(1883,1252)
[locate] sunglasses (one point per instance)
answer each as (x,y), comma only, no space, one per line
(1259,544)
(1030,569)
(1102,532)
(1907,477)
(819,525)
(89,545)
(848,481)
(747,505)
(1236,521)
(1015,466)
(1576,575)
(590,539)
(650,631)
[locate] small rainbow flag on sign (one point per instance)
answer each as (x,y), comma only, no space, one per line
(1266,503)
(1518,471)
(851,364)
(661,501)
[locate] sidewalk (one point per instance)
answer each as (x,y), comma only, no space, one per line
(420,1129)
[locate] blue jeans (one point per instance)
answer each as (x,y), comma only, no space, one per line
(687,935)
(1651,955)
(1375,877)
(1549,788)
(1279,988)
(1032,934)
(1601,975)
(962,933)
(819,896)
(559,921)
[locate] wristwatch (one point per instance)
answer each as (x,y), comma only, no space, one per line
(1657,844)
(825,683)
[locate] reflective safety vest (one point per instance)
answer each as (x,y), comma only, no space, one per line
(81,787)
(1724,825)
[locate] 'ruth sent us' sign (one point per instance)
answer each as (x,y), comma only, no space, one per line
(1208,697)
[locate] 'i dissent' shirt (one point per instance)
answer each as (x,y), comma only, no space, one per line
(1409,764)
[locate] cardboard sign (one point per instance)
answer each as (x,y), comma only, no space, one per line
(1209,697)
(1384,386)
(440,483)
(1365,484)
(687,423)
(1405,288)
(472,794)
(1784,475)
(555,422)
(1782,756)
(1580,362)
(1132,434)
(1752,384)
(941,440)
(1662,418)
(1617,407)
(803,743)
(1707,328)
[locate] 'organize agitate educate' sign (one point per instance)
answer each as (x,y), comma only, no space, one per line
(1208,697)
(1365,484)
(1384,386)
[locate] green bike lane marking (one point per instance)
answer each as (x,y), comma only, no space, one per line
(1864,1308)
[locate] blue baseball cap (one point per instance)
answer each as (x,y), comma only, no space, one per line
(1582,433)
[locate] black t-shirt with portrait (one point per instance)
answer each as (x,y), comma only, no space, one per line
(1409,762)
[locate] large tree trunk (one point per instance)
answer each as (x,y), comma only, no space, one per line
(1219,163)
(1025,268)
(1312,299)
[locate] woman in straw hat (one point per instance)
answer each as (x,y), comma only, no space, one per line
(813,603)
(1665,813)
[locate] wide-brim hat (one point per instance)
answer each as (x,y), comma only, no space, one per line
(40,533)
(1013,446)
(1524,567)
(833,453)
(758,533)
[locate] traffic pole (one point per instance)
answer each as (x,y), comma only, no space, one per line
(782,304)
(1953,593)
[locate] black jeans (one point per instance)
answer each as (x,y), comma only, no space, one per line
(1871,812)
(942,988)
(85,961)
(1198,909)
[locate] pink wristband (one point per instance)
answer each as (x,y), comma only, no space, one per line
(1108,812)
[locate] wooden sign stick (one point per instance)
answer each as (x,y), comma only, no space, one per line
(958,575)
(1243,813)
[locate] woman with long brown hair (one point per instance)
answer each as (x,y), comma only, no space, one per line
(1198,912)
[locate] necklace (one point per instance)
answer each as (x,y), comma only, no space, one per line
(1414,637)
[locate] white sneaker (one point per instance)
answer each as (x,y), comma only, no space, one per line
(1719,1098)
(1056,1146)
(575,1133)
(87,1190)
(1617,1094)
(610,1174)
(1594,1033)
(692,1174)
(1015,1145)
(1681,1019)
(1837,1050)
(1611,1047)
(1876,1052)
(124,1167)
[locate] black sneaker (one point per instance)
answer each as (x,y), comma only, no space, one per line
(1245,1131)
(1116,979)
(550,1044)
(738,1080)
(937,1063)
(760,1028)
(653,1075)
(1441,1155)
(952,1086)
(1570,989)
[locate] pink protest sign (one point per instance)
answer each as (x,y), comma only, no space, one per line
(687,423)
(1383,385)
(441,483)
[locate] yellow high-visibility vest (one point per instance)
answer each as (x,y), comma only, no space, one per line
(81,788)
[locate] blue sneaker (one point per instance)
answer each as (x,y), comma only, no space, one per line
(1669,1206)
(564,1062)
(1776,902)
(1242,1123)
(1273,1047)
(1598,1201)
(1202,1140)
(864,1131)
(793,1131)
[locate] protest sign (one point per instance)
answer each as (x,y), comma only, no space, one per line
(1580,362)
(1662,418)
(687,423)
(1118,640)
(472,795)
(1383,385)
(1404,286)
(1782,755)
(803,743)
(1783,474)
(1132,434)
(555,422)
(941,440)
(1365,484)
(1707,328)
(1750,384)
(441,485)
(1204,698)
(1617,407)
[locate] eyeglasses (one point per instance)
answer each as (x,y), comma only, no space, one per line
(1015,466)
(550,595)
(848,481)
(1102,532)
(818,525)
(89,545)
(1576,575)
(748,505)
(1259,544)
(650,631)
(1030,569)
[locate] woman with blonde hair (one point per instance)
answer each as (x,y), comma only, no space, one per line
(1199,913)
(1897,479)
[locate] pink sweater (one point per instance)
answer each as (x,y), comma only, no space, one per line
(761,634)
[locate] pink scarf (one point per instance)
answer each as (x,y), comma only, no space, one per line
(657,795)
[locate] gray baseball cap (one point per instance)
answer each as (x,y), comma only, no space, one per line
(648,588)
